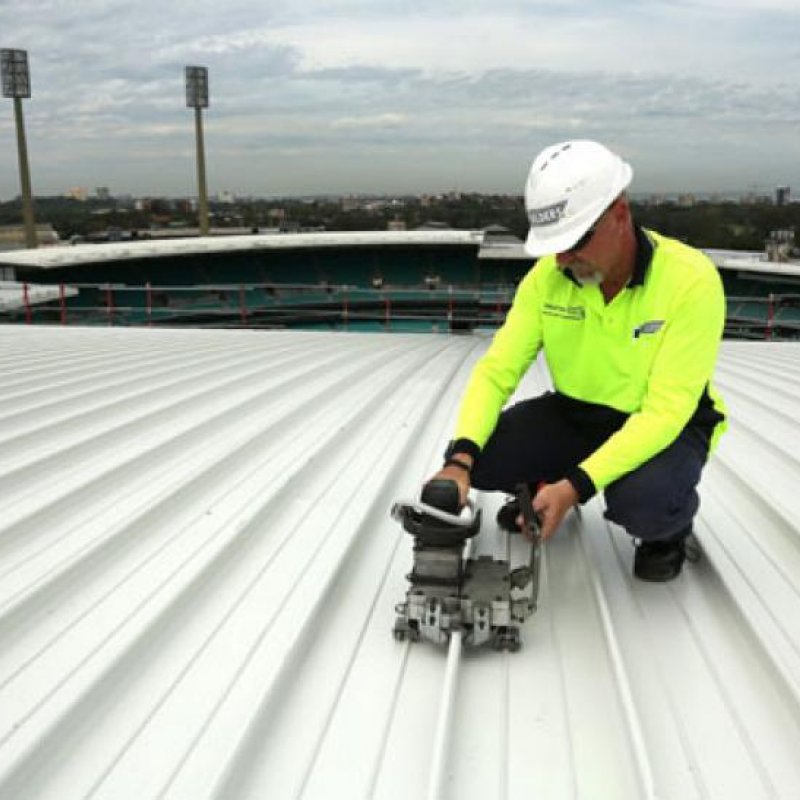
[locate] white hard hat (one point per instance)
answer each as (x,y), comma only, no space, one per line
(569,186)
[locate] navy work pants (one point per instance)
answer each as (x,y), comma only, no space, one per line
(539,440)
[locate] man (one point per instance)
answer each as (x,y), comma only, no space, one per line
(630,323)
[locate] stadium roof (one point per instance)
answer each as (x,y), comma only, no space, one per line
(752,261)
(72,255)
(199,576)
(491,246)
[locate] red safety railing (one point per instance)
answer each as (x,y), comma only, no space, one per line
(118,304)
(776,316)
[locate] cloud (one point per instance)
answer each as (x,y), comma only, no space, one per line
(377,96)
(755,7)
(387,120)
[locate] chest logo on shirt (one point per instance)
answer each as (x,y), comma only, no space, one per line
(576,313)
(654,326)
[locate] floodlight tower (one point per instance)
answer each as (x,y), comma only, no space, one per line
(197,98)
(17,85)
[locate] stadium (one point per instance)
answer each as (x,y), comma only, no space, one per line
(440,280)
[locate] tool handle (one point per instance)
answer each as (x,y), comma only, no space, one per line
(532,529)
(468,521)
(443,494)
(530,520)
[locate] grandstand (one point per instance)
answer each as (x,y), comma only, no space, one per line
(763,295)
(399,280)
(418,280)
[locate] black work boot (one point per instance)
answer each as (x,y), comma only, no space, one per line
(507,515)
(661,559)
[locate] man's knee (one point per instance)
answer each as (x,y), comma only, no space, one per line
(531,442)
(659,498)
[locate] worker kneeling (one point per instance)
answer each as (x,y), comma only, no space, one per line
(630,323)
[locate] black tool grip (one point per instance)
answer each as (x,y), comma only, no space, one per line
(442,494)
(530,520)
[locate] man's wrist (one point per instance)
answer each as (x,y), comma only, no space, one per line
(582,483)
(463,447)
(461,461)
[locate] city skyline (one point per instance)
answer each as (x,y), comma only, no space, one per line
(777,195)
(343,97)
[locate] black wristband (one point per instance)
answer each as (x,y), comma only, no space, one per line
(465,446)
(457,462)
(583,484)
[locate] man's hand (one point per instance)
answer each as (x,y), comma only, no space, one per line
(551,503)
(460,476)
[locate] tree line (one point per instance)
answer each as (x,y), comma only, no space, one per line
(726,225)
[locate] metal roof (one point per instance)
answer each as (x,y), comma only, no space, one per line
(72,255)
(198,576)
(752,261)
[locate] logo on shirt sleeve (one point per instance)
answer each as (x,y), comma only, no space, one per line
(654,326)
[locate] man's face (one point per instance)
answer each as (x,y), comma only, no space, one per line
(591,259)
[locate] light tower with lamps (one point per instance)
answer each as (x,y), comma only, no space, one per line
(197,98)
(16,81)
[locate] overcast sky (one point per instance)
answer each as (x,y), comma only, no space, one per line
(339,96)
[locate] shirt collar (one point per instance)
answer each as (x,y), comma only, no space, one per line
(644,255)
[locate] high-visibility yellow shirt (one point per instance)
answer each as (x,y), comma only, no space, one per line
(649,353)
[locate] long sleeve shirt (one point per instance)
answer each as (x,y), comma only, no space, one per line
(647,356)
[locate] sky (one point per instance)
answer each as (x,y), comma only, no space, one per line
(313,97)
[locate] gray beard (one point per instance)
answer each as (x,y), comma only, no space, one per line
(592,279)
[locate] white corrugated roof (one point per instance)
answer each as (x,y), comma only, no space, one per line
(198,576)
(72,255)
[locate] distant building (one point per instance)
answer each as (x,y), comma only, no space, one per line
(753,199)
(80,193)
(396,224)
(780,245)
(783,196)
(183,205)
(226,197)
(102,193)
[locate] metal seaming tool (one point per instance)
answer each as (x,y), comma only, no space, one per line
(481,597)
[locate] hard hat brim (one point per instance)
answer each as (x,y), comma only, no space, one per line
(538,246)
